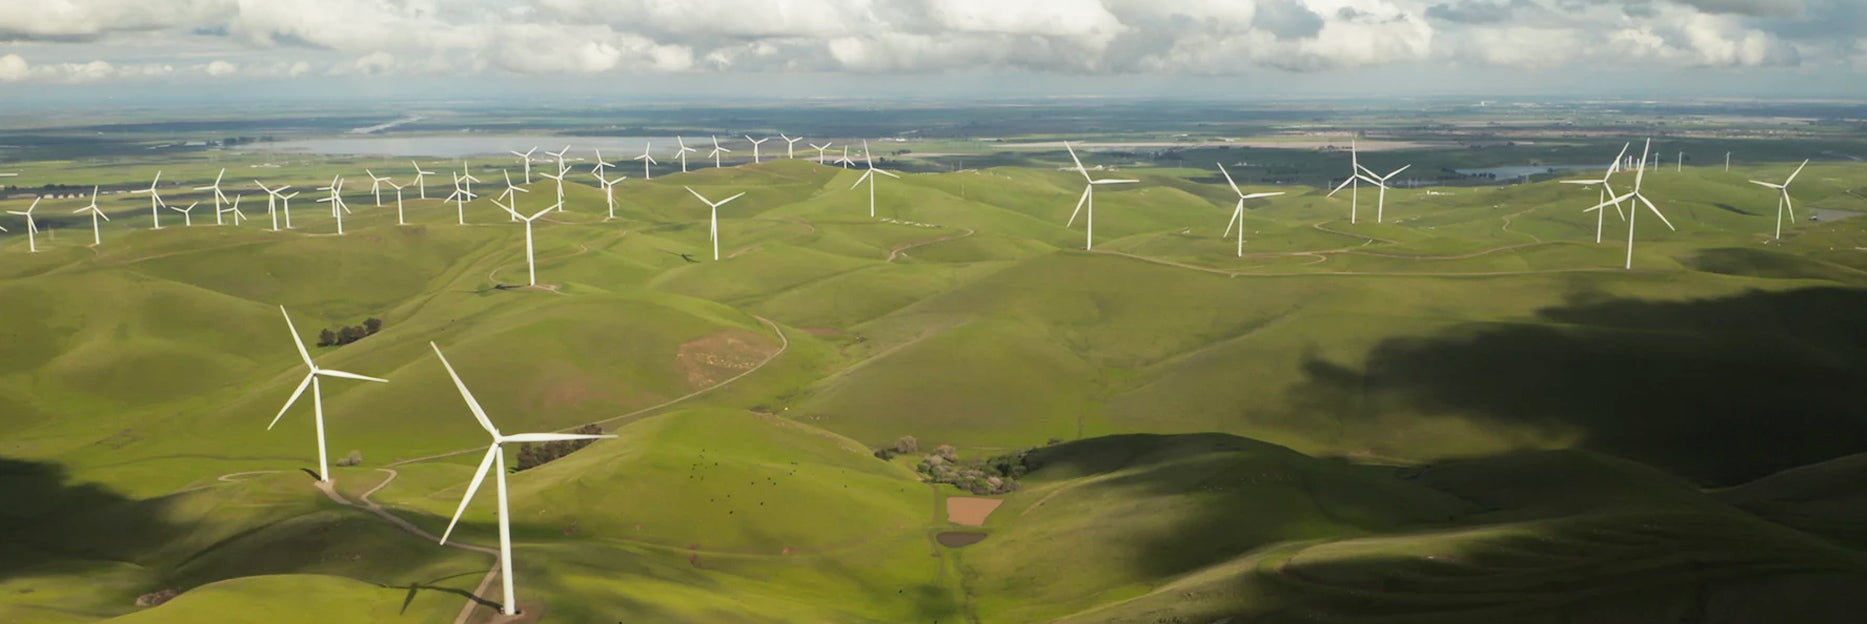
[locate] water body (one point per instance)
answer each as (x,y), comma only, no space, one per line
(462,145)
(959,539)
(1512,172)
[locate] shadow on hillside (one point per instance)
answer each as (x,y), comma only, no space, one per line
(1719,391)
(47,519)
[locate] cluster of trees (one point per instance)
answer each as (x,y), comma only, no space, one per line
(355,458)
(535,455)
(997,475)
(346,335)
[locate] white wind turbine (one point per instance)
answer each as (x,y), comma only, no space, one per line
(338,207)
(1088,199)
(421,179)
(1782,198)
(285,206)
(682,151)
(531,267)
(647,160)
(869,176)
(218,196)
(1238,213)
(272,201)
(790,145)
(609,192)
(32,226)
(97,236)
(496,456)
(467,179)
(820,150)
(234,210)
(376,182)
(559,178)
(317,394)
(460,197)
(844,160)
(601,165)
(527,159)
(717,151)
(155,201)
(1634,211)
(1380,205)
(1354,180)
(755,144)
(1601,214)
(559,155)
(509,197)
(713,218)
(187,213)
(398,202)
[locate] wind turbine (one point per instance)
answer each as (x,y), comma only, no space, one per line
(755,143)
(317,394)
(1380,206)
(466,177)
(272,200)
(682,152)
(1354,180)
(646,161)
(97,237)
(155,201)
(1782,199)
(376,185)
(495,454)
(527,159)
(510,188)
(531,267)
(460,197)
(820,150)
(844,160)
(398,202)
(187,213)
(1727,162)
(717,151)
(609,192)
(338,208)
(421,184)
(1602,194)
(559,178)
(559,155)
(285,205)
(1639,175)
(713,218)
(32,226)
(1238,213)
(235,210)
(1088,199)
(600,164)
(218,196)
(870,177)
(790,145)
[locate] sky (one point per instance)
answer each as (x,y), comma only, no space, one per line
(519,49)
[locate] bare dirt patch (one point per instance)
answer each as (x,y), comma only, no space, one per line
(959,539)
(708,361)
(970,511)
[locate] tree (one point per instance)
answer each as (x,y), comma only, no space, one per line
(327,338)
(371,325)
(348,335)
(947,451)
(907,444)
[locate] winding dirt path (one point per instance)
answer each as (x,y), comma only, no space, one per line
(902,248)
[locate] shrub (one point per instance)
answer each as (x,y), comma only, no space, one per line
(907,444)
(354,458)
(156,598)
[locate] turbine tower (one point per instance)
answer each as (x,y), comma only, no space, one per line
(338,207)
(97,237)
(317,394)
(1354,181)
(755,144)
(1088,199)
(717,151)
(869,176)
(398,203)
(187,213)
(531,267)
(527,159)
(508,195)
(234,210)
(272,201)
(682,151)
(495,454)
(1238,213)
(155,201)
(1634,211)
(790,145)
(609,192)
(218,196)
(713,218)
(1782,198)
(421,179)
(1602,194)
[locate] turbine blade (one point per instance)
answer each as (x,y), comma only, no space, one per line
(1395,173)
(1237,214)
(1113,181)
(864,178)
(1791,205)
(728,200)
(697,194)
(1079,205)
(1262,195)
(886,173)
(1339,187)
(1656,212)
(1762,183)
(288,402)
(478,413)
(302,353)
(1228,179)
(479,476)
(1078,161)
(1792,177)
(551,437)
(337,373)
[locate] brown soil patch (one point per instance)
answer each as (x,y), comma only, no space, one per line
(970,511)
(710,360)
(959,539)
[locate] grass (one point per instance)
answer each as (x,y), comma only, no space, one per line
(1480,331)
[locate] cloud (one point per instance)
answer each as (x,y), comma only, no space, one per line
(13,68)
(1197,37)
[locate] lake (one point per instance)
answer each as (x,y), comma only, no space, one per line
(1512,172)
(473,144)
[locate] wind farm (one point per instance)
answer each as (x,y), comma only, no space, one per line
(892,381)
